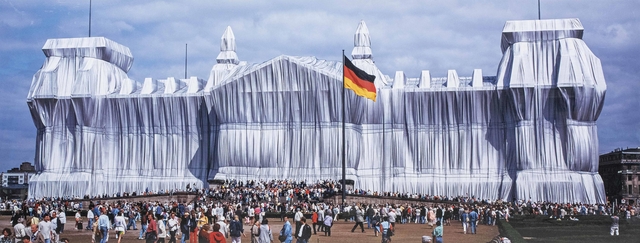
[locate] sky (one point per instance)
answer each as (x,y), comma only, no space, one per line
(407,36)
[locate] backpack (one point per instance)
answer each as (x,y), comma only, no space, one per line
(252,227)
(387,230)
(234,229)
(374,221)
(306,231)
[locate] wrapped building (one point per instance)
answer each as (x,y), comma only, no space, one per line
(529,132)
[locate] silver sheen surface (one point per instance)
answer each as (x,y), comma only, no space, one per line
(527,133)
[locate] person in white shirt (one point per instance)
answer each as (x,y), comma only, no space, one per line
(62,217)
(172,226)
(19,230)
(162,231)
(44,227)
(78,221)
(55,235)
(224,229)
(297,218)
(120,224)
(90,219)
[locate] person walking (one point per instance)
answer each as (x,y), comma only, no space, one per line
(328,222)
(305,232)
(162,231)
(193,233)
(431,217)
(392,217)
(447,217)
(297,218)
(152,229)
(314,220)
(78,218)
(437,232)
(103,226)
(386,228)
(172,225)
(185,227)
(266,236)
(97,235)
(285,233)
(37,236)
(615,225)
(119,223)
(255,231)
(370,212)
(216,236)
(473,220)
(19,229)
(236,230)
(133,217)
(375,222)
(90,219)
(465,221)
(203,235)
(62,220)
(321,213)
(55,234)
(143,227)
(359,220)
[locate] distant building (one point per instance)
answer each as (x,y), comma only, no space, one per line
(15,182)
(619,170)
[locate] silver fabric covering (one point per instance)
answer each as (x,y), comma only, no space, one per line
(527,133)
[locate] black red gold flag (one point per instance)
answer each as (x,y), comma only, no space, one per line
(358,80)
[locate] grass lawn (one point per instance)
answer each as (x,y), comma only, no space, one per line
(587,229)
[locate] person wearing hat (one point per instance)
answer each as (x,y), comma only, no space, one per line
(224,228)
(185,227)
(19,229)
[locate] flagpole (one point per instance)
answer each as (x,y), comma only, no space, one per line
(89,18)
(186,46)
(538,9)
(344,144)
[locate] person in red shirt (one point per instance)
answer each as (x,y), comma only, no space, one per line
(152,229)
(216,236)
(314,220)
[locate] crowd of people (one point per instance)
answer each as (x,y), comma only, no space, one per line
(224,213)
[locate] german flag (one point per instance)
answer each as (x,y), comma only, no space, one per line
(359,81)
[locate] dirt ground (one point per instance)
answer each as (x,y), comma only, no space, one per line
(340,232)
